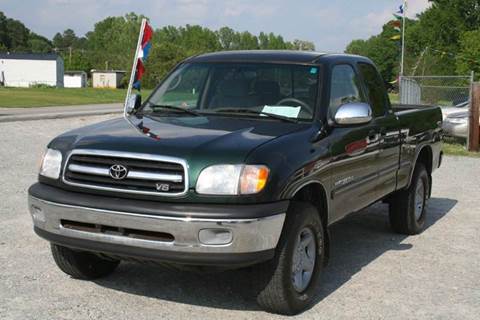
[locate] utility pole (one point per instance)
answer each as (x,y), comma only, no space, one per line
(474,126)
(403,38)
(70,56)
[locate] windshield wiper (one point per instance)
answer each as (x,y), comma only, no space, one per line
(251,111)
(154,108)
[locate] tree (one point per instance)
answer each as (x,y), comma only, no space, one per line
(263,41)
(38,43)
(381,49)
(303,45)
(228,38)
(3,31)
(73,50)
(247,41)
(170,45)
(434,39)
(15,37)
(68,39)
(468,58)
(358,46)
(18,36)
(113,41)
(111,44)
(57,40)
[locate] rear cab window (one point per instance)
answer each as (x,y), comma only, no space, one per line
(375,89)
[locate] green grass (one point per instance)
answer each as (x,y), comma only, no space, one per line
(458,149)
(44,97)
(394,98)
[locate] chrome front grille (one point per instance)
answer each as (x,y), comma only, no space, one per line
(137,173)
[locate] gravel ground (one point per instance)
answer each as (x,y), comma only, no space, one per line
(373,273)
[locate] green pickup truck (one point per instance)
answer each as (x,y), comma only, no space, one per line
(237,159)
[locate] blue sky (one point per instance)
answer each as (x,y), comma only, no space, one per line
(331,25)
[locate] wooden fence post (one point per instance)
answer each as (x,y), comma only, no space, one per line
(474,126)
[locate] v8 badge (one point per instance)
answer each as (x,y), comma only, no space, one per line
(163,187)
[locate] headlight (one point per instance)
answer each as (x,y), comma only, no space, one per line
(51,164)
(232,179)
(457,120)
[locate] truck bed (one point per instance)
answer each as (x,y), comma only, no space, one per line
(417,118)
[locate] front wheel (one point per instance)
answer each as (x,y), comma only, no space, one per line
(291,279)
(82,265)
(408,207)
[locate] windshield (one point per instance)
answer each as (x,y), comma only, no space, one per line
(240,89)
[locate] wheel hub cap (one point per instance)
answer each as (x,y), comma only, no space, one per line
(419,199)
(303,260)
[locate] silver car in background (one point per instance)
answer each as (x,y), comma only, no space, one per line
(456,124)
(455,120)
(446,111)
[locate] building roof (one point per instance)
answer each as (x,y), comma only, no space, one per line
(107,71)
(28,56)
(74,72)
(259,55)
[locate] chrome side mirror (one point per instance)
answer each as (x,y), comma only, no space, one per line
(133,104)
(353,113)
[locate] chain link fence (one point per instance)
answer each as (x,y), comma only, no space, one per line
(443,91)
(451,93)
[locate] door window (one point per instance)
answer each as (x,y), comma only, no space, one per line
(344,87)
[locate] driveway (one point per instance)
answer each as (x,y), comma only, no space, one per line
(373,273)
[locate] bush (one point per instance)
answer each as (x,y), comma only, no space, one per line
(41,86)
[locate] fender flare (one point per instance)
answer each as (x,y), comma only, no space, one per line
(326,215)
(417,154)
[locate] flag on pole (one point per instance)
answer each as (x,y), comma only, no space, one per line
(396,23)
(400,9)
(397,16)
(142,54)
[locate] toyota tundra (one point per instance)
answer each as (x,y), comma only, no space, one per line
(237,159)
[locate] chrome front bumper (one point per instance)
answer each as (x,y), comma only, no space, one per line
(247,235)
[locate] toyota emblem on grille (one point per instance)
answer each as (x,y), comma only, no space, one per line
(118,172)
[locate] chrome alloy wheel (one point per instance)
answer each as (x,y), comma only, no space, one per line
(419,199)
(304,256)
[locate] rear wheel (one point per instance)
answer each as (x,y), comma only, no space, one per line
(81,264)
(408,207)
(291,280)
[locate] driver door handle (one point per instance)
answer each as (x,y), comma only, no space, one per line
(373,136)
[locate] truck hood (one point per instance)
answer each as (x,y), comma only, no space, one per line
(201,140)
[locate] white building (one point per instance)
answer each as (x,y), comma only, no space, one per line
(107,78)
(29,69)
(75,79)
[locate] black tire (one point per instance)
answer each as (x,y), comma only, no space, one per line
(82,265)
(277,293)
(402,204)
